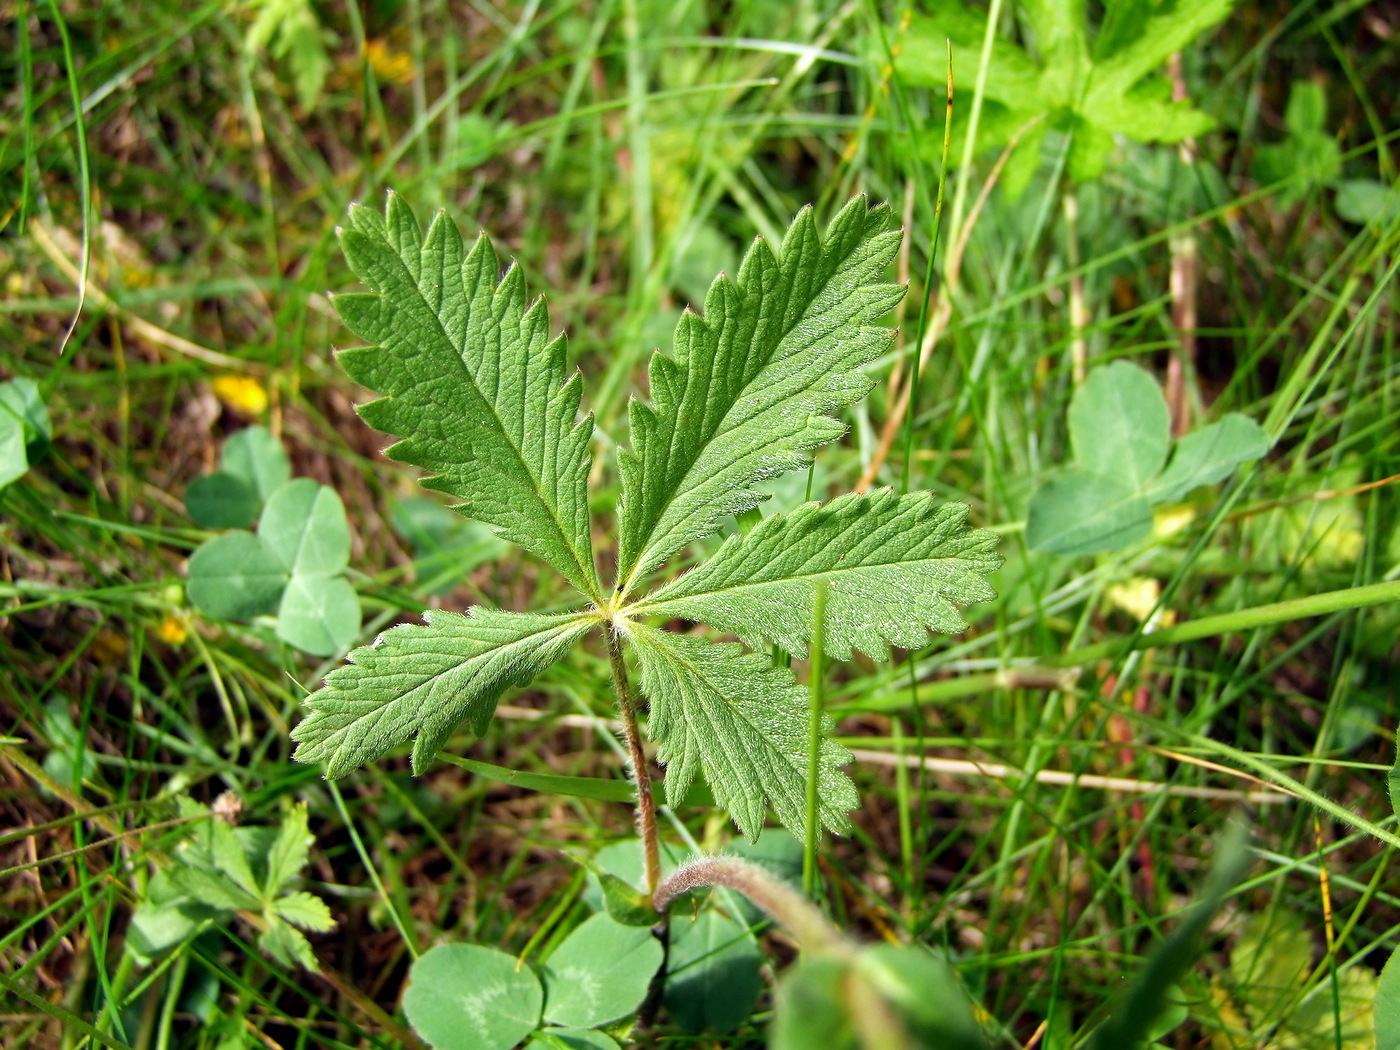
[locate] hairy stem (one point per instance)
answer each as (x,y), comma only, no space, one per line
(777,899)
(641,775)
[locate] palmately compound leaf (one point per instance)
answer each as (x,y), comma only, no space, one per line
(743,722)
(421,682)
(472,382)
(894,566)
(746,394)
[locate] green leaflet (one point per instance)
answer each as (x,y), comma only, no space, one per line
(1092,91)
(471,382)
(422,682)
(745,396)
(894,567)
(741,721)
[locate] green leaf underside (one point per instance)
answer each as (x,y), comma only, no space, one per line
(422,681)
(746,393)
(1083,513)
(1119,426)
(471,382)
(743,722)
(894,567)
(1205,456)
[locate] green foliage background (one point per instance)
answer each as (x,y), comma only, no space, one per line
(174,174)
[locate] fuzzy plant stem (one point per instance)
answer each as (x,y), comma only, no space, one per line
(776,898)
(641,775)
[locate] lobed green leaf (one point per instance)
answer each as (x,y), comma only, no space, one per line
(420,682)
(743,723)
(472,382)
(747,392)
(894,567)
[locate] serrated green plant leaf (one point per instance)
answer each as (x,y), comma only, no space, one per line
(21,399)
(421,682)
(741,721)
(746,394)
(288,852)
(471,382)
(894,567)
(305,910)
(286,944)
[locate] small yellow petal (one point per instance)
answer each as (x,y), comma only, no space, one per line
(172,631)
(1137,596)
(388,65)
(242,394)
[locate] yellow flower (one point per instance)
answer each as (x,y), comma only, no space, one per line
(172,630)
(243,394)
(1138,597)
(388,65)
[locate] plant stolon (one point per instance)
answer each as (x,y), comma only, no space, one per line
(481,398)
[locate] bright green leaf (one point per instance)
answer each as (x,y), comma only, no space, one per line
(221,501)
(319,614)
(255,456)
(894,567)
(467,997)
(810,1008)
(1118,425)
(289,851)
(472,382)
(421,682)
(925,993)
(601,972)
(213,889)
(1387,1009)
(1206,455)
(1366,201)
(712,971)
(14,456)
(600,788)
(745,395)
(229,856)
(743,723)
(24,427)
(1307,108)
(305,910)
(20,398)
(287,945)
(304,525)
(625,903)
(1083,513)
(236,577)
